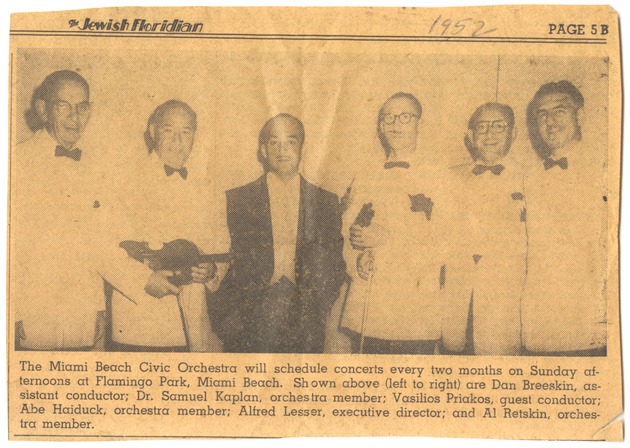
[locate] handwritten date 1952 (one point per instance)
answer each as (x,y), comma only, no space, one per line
(466,27)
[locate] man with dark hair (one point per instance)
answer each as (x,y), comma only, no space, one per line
(266,132)
(564,309)
(286,243)
(564,102)
(394,222)
(487,267)
(57,203)
(46,95)
(165,198)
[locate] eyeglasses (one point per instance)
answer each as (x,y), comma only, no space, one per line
(403,118)
(65,108)
(496,127)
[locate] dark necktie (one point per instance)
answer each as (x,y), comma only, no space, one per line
(390,165)
(183,172)
(74,154)
(494,169)
(562,162)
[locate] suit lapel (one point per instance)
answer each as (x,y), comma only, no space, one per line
(306,223)
(301,232)
(263,222)
(301,218)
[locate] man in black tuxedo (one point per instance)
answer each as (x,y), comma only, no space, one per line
(287,246)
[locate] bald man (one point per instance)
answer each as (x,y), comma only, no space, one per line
(487,269)
(287,247)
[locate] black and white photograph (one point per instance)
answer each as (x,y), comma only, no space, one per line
(282,222)
(310,203)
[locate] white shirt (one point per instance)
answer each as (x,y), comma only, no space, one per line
(57,215)
(157,208)
(284,203)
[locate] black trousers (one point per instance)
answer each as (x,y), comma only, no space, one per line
(118,347)
(392,347)
(586,353)
(276,318)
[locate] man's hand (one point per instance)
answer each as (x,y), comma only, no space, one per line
(99,332)
(101,326)
(365,237)
(20,334)
(203,272)
(158,285)
(365,264)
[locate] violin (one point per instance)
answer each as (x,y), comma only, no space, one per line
(178,256)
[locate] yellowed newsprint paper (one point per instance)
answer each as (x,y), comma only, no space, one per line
(276,222)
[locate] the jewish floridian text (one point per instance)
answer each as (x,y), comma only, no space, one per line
(58,396)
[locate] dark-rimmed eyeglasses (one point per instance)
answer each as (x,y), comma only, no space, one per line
(403,118)
(496,127)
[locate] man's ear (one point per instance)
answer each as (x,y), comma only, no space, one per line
(469,136)
(152,132)
(579,114)
(42,110)
(510,142)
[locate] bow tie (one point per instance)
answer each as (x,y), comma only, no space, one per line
(74,154)
(562,162)
(183,172)
(389,165)
(494,169)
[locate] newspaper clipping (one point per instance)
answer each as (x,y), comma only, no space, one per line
(274,222)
